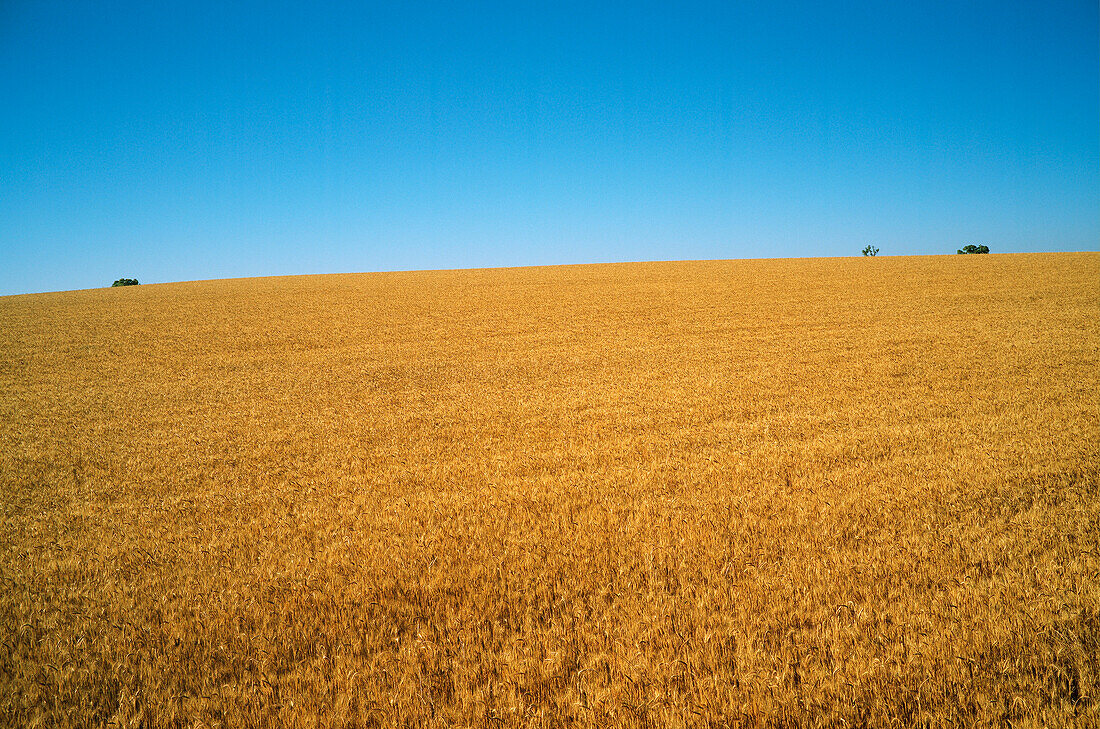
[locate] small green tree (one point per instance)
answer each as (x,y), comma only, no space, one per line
(125,282)
(974,249)
(870,251)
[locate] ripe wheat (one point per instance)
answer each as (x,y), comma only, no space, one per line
(738,493)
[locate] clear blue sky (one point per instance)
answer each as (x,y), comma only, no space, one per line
(171,141)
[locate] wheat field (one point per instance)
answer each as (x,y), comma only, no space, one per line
(821,492)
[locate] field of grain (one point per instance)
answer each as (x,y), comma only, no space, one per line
(834,492)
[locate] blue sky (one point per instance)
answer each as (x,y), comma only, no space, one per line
(176,141)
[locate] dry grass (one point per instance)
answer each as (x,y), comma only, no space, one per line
(854,492)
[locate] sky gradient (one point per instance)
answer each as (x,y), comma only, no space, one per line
(177,141)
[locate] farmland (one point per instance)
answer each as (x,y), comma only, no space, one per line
(731,493)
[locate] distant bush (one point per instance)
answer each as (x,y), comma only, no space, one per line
(134,281)
(870,251)
(974,249)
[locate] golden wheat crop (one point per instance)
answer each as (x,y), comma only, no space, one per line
(841,492)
